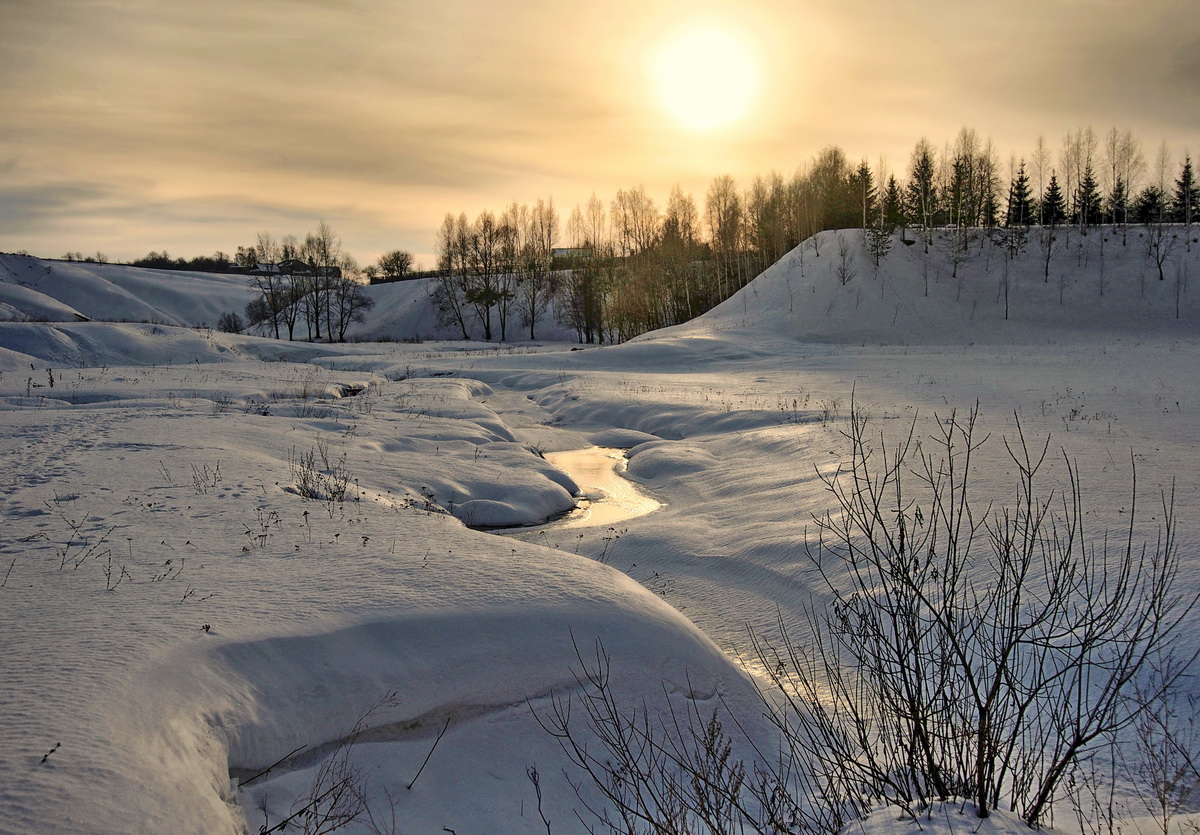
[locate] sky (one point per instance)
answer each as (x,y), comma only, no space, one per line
(135,125)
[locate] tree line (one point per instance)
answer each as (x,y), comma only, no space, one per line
(619,268)
(625,267)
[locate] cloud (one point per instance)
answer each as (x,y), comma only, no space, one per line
(395,112)
(27,207)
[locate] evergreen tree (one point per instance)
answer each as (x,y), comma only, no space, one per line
(1020,203)
(1088,200)
(961,196)
(893,204)
(991,208)
(880,234)
(1118,202)
(1054,207)
(863,184)
(1150,206)
(1186,203)
(920,196)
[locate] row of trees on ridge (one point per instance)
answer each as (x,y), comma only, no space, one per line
(621,268)
(626,267)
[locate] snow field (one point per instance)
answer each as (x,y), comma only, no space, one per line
(154,491)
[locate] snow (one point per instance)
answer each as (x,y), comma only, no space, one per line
(177,617)
(938,819)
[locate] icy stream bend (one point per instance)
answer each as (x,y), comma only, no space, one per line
(607,497)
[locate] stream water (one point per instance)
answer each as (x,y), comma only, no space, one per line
(607,497)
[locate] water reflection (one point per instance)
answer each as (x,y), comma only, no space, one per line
(608,497)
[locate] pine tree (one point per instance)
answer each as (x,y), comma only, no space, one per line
(893,204)
(1186,203)
(1089,207)
(881,233)
(1118,202)
(863,184)
(1020,206)
(1054,207)
(1149,207)
(920,196)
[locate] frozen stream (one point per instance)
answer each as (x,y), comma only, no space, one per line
(607,496)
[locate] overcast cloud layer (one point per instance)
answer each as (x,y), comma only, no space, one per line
(131,125)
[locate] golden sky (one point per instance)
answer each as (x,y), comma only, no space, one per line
(132,125)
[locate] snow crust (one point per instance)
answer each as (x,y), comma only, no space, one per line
(177,617)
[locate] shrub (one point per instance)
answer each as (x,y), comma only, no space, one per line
(966,651)
(230,323)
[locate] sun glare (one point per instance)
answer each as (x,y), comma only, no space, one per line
(707,78)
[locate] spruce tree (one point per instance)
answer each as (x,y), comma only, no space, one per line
(863,184)
(1118,203)
(1089,200)
(921,197)
(1054,207)
(893,204)
(1186,203)
(1020,206)
(1149,207)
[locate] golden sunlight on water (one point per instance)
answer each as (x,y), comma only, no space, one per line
(609,496)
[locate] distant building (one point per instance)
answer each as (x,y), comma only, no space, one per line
(565,257)
(294,266)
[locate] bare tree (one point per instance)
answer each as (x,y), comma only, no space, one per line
(348,300)
(447,291)
(1121,173)
(536,263)
(966,651)
(1165,766)
(484,285)
(844,268)
(321,251)
(723,219)
(265,277)
(1040,168)
(1161,239)
(586,294)
(674,771)
(635,220)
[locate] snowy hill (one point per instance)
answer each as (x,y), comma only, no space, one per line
(54,291)
(37,290)
(1096,285)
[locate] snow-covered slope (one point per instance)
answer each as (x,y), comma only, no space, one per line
(37,290)
(1097,286)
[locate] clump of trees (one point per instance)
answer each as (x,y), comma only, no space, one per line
(218,262)
(619,268)
(98,258)
(313,283)
(494,271)
(396,265)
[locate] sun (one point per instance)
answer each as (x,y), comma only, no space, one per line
(707,77)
